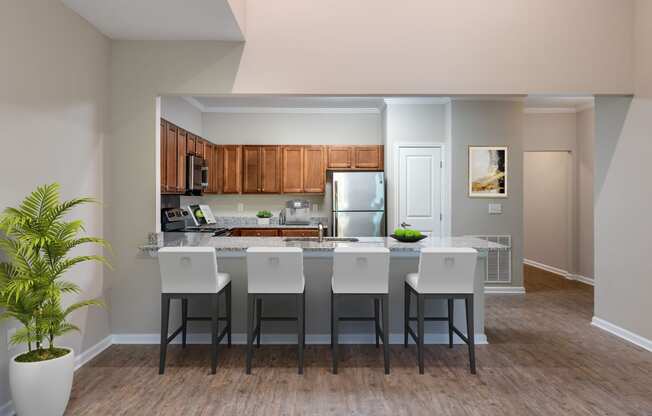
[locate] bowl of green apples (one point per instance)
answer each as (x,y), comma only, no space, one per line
(405,235)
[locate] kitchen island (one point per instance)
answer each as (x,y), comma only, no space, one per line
(318,264)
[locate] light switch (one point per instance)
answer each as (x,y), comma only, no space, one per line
(495,209)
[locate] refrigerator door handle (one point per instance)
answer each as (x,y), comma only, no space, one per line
(334,195)
(335,225)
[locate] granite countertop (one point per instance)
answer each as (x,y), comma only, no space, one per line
(238,245)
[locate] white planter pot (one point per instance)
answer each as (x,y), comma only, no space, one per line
(41,388)
(263,221)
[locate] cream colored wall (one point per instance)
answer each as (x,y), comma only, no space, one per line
(54,96)
(622,199)
(183,114)
(437,47)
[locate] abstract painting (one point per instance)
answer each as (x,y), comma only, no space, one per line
(488,171)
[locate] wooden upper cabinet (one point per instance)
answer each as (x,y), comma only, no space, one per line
(163,154)
(250,169)
(314,169)
(181,160)
(171,159)
(292,161)
(339,157)
(190,144)
(270,169)
(368,157)
(231,169)
(200,147)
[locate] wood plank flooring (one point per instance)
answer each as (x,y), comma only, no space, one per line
(544,358)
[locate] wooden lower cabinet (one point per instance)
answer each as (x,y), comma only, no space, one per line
(296,232)
(258,232)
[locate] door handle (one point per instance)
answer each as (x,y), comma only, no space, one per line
(405,224)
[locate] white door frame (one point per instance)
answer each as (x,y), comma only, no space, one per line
(445,185)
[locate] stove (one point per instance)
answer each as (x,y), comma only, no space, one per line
(180,220)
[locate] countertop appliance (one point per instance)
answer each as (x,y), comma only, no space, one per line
(296,212)
(359,204)
(196,175)
(180,220)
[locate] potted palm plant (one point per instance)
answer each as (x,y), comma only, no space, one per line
(37,242)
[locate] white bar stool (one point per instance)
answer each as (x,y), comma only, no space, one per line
(444,273)
(192,273)
(274,271)
(361,272)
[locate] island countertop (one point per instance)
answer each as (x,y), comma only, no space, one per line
(236,246)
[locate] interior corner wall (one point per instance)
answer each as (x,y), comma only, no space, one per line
(54,97)
(178,111)
(584,185)
(489,123)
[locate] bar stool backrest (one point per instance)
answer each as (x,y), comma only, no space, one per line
(188,270)
(275,270)
(447,270)
(361,270)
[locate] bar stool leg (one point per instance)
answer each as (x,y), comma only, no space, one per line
(250,331)
(165,317)
(332,319)
(336,325)
(228,314)
(259,314)
(304,318)
(421,331)
(451,316)
(406,313)
(377,320)
(470,332)
(215,310)
(300,330)
(184,321)
(385,308)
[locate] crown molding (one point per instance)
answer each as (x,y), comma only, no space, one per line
(292,110)
(416,100)
(195,103)
(549,110)
(585,107)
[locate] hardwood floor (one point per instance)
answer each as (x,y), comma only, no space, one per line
(544,358)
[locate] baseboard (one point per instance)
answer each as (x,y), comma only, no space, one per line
(280,339)
(504,290)
(563,273)
(92,352)
(622,333)
(7,409)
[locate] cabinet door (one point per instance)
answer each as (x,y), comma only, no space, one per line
(270,169)
(171,159)
(340,157)
(208,155)
(294,232)
(190,144)
(314,170)
(200,147)
(181,160)
(218,169)
(258,232)
(292,169)
(368,157)
(251,169)
(163,141)
(232,165)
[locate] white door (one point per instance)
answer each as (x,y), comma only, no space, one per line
(419,193)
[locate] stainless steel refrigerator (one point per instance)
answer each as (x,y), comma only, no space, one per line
(359,204)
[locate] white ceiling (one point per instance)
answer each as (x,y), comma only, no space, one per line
(280,103)
(160,19)
(543,103)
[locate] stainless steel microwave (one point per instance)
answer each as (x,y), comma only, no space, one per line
(196,175)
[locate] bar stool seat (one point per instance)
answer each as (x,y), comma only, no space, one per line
(192,273)
(446,273)
(361,272)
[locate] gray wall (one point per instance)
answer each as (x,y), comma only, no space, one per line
(495,123)
(54,95)
(584,175)
(180,112)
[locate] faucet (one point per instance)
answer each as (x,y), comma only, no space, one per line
(320,226)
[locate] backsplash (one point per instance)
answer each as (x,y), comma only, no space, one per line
(227,205)
(235,222)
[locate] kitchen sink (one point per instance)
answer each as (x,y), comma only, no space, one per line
(325,239)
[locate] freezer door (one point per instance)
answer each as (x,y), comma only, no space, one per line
(358,191)
(359,224)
